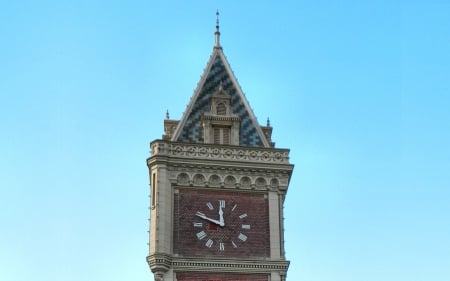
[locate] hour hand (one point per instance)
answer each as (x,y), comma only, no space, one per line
(203,216)
(221,205)
(222,222)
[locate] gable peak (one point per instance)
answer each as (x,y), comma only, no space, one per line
(218,112)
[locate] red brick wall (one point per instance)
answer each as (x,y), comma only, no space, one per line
(255,205)
(192,276)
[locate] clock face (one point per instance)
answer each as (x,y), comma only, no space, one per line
(221,223)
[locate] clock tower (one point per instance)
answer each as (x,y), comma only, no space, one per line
(217,188)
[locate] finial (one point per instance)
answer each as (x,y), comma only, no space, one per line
(167,114)
(268,122)
(217,33)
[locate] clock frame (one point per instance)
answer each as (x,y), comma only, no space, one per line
(197,229)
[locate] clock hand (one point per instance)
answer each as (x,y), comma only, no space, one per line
(198,214)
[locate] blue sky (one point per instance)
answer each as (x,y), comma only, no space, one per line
(358,90)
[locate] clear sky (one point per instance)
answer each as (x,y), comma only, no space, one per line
(358,90)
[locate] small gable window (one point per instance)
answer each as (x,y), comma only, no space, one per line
(221,135)
(221,109)
(220,125)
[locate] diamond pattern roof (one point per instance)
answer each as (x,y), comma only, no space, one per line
(217,72)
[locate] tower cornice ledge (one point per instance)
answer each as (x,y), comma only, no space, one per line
(229,265)
(219,152)
(159,262)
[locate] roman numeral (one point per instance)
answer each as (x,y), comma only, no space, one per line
(245,226)
(234,244)
(234,207)
(209,243)
(198,224)
(242,237)
(210,206)
(221,247)
(201,235)
(222,203)
(244,215)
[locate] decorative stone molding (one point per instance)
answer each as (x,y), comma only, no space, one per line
(183,178)
(159,262)
(222,265)
(260,182)
(199,178)
(229,181)
(215,152)
(159,276)
(214,181)
(274,182)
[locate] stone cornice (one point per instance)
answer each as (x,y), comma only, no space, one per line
(219,152)
(228,265)
(159,262)
(210,116)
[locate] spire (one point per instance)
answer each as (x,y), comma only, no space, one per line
(217,33)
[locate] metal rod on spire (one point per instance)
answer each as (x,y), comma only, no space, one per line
(217,33)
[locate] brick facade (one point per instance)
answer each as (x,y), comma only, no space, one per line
(255,224)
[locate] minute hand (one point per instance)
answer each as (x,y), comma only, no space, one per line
(208,219)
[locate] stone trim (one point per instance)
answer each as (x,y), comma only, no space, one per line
(210,178)
(220,152)
(159,262)
(214,117)
(206,175)
(226,265)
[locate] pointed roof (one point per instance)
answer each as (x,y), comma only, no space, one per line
(218,74)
